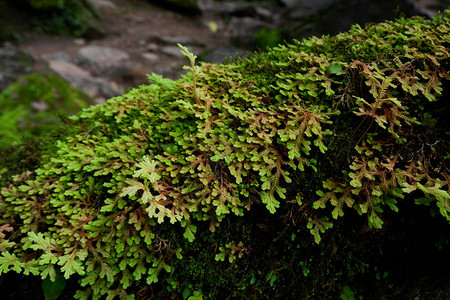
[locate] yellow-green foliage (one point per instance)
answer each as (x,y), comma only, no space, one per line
(318,128)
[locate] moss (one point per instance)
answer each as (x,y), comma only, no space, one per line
(279,175)
(34,105)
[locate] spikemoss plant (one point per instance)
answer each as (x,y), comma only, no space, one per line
(149,193)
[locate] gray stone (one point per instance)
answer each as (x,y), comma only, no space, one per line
(142,43)
(62,56)
(108,88)
(102,5)
(77,77)
(172,51)
(222,55)
(260,10)
(150,56)
(242,31)
(79,42)
(205,5)
(101,58)
(184,40)
(13,64)
(83,80)
(152,47)
(38,106)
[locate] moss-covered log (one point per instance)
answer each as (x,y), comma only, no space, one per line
(311,171)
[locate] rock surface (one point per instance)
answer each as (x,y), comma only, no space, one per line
(14,63)
(101,57)
(98,88)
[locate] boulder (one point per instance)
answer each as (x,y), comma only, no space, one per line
(102,59)
(83,80)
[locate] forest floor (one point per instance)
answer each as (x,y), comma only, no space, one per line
(141,30)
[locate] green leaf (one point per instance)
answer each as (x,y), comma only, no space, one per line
(190,231)
(53,288)
(147,170)
(334,68)
(269,200)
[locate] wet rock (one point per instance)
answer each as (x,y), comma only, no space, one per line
(102,59)
(13,64)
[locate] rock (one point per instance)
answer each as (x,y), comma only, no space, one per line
(242,31)
(262,11)
(302,19)
(103,5)
(152,47)
(92,23)
(79,42)
(222,55)
(13,64)
(83,80)
(77,77)
(431,7)
(184,40)
(61,56)
(102,59)
(172,51)
(205,5)
(141,43)
(150,56)
(38,106)
(304,9)
(108,89)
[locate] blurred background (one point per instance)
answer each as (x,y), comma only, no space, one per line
(58,56)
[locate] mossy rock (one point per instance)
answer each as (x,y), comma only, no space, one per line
(34,105)
(308,171)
